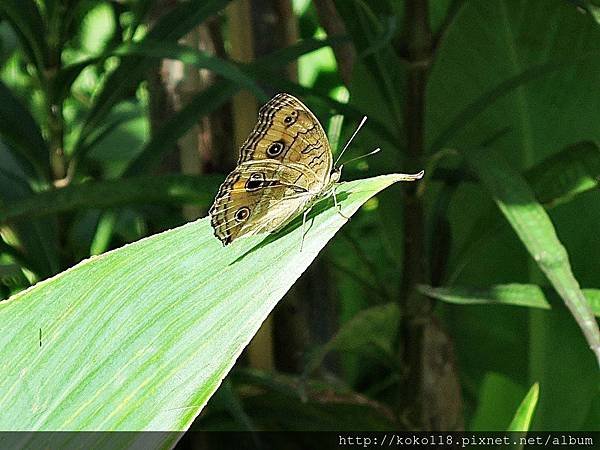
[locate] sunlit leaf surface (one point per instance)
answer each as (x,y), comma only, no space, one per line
(140,338)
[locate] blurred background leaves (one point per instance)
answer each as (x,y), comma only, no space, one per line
(119,119)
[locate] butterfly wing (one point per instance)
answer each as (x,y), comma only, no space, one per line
(285,163)
(288,132)
(259,196)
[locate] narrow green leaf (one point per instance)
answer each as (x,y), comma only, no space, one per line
(370,333)
(530,221)
(63,81)
(201,104)
(522,419)
(21,132)
(284,85)
(593,297)
(373,40)
(25,18)
(132,69)
(530,295)
(561,177)
(283,56)
(142,336)
(497,396)
(556,180)
(104,231)
(69,74)
(505,294)
(589,6)
(210,99)
(169,189)
(35,240)
(196,58)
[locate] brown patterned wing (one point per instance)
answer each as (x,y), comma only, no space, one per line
(259,197)
(287,131)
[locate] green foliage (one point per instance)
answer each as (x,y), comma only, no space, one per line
(533,226)
(524,414)
(163,319)
(497,100)
(370,334)
(530,295)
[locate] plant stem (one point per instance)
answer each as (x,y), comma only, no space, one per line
(418,41)
(430,397)
(56,124)
(55,102)
(56,134)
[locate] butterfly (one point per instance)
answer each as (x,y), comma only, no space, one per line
(285,166)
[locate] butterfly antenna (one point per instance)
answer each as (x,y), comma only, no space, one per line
(362,122)
(372,152)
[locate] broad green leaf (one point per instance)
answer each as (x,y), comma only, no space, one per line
(533,226)
(522,419)
(527,83)
(487,44)
(557,351)
(532,69)
(515,294)
(142,336)
(507,87)
(172,189)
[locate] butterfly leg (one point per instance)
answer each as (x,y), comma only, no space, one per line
(304,215)
(337,205)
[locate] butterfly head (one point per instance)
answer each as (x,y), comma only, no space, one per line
(336,174)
